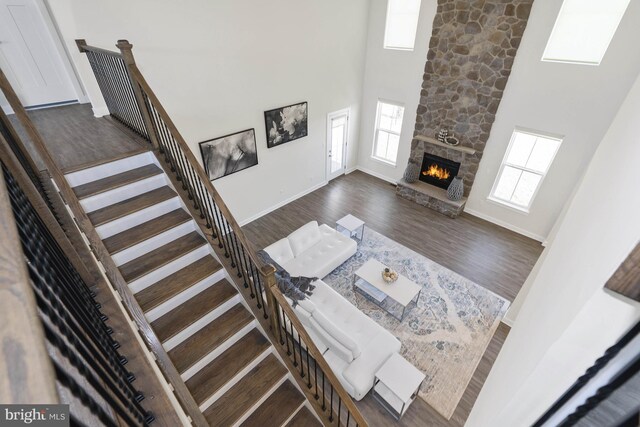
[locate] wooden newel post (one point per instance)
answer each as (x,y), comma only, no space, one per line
(268,273)
(126,50)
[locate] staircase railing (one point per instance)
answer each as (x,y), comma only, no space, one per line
(322,388)
(56,343)
(100,252)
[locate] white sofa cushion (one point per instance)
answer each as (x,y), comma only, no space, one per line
(330,327)
(330,342)
(322,258)
(304,237)
(280,252)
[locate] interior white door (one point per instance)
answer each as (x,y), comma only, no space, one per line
(337,134)
(29,56)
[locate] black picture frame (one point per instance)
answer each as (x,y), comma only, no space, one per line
(286,124)
(228,154)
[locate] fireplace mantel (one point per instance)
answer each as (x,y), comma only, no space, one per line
(466,150)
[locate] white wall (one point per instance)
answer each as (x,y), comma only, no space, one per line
(577,101)
(217,66)
(396,76)
(567,319)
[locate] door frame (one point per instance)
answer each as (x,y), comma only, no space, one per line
(55,35)
(330,116)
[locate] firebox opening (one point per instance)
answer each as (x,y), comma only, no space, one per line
(438,171)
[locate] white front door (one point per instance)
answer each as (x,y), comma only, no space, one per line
(29,56)
(337,134)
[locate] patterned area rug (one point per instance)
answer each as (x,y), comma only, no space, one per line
(448,331)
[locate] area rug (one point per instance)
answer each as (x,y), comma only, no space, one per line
(448,331)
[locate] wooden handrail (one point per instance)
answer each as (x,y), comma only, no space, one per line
(28,375)
(83,47)
(101,253)
(198,168)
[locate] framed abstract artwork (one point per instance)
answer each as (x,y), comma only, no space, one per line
(229,154)
(286,124)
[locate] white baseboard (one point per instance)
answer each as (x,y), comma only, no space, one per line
(282,203)
(100,111)
(351,169)
(505,225)
(377,175)
(507,321)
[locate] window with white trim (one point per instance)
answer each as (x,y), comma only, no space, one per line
(523,168)
(402,24)
(583,30)
(387,134)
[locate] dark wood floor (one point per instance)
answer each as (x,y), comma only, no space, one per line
(76,139)
(491,256)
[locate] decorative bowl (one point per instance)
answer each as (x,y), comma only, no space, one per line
(451,140)
(389,275)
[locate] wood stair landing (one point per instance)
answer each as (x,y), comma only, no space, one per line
(129,206)
(304,418)
(145,264)
(240,398)
(115,181)
(278,407)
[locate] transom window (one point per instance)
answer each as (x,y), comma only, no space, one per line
(583,30)
(402,24)
(387,135)
(523,168)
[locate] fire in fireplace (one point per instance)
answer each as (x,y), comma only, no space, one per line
(438,171)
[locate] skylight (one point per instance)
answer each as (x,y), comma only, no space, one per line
(583,30)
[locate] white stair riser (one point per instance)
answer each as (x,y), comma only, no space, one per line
(108,169)
(293,414)
(121,224)
(233,381)
(261,400)
(168,269)
(124,192)
(216,352)
(184,296)
(153,243)
(201,323)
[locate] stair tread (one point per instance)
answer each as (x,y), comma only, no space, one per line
(115,181)
(278,407)
(207,339)
(134,204)
(223,368)
(163,255)
(232,405)
(193,309)
(304,418)
(156,294)
(146,230)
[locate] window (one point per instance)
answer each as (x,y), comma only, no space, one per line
(523,168)
(388,126)
(583,30)
(402,23)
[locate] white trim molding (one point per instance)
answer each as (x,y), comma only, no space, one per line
(506,225)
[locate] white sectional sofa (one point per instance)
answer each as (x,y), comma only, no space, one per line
(312,250)
(353,344)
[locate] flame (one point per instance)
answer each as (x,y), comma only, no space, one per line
(437,172)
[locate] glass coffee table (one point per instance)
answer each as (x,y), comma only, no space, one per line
(367,280)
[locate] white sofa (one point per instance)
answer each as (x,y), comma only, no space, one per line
(352,343)
(312,250)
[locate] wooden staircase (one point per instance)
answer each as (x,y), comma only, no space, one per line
(219,349)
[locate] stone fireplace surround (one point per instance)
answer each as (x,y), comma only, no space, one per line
(471,52)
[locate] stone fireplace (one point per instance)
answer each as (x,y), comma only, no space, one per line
(471,52)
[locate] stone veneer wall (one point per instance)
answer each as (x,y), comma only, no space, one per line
(471,52)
